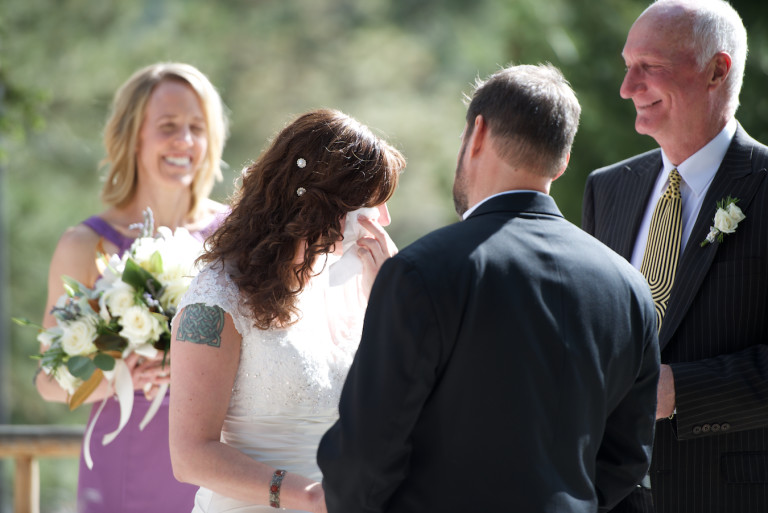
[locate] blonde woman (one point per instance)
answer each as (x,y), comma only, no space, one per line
(164,141)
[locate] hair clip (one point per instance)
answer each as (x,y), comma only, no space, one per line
(302,164)
(300,191)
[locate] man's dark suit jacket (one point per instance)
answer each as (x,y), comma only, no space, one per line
(713,457)
(508,363)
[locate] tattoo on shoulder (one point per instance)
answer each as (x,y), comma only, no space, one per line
(201,324)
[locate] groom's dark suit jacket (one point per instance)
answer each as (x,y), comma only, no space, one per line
(713,457)
(508,363)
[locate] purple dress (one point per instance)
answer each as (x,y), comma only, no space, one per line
(133,473)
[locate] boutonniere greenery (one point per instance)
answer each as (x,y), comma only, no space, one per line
(727,218)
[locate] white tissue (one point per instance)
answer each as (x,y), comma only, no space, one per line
(350,264)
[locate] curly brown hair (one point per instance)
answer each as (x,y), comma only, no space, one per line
(346,167)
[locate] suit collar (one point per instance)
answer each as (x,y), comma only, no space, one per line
(734,177)
(639,178)
(518,201)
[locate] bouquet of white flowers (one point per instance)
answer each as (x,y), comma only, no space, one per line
(128,310)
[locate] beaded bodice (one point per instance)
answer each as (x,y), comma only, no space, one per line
(299,368)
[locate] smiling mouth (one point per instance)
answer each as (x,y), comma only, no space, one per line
(647,106)
(179,161)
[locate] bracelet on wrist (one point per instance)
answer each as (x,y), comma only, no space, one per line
(274,488)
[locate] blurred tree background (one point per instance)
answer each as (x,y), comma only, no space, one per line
(400,66)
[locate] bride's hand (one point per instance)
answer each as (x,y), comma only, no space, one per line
(373,251)
(318,498)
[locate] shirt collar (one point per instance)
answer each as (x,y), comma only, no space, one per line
(474,207)
(699,169)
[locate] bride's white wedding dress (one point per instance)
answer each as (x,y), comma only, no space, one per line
(288,383)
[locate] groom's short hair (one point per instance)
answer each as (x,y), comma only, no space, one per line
(532,113)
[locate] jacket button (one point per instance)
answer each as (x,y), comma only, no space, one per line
(725,426)
(705,428)
(697,430)
(715,428)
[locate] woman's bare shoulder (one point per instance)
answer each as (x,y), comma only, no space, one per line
(78,238)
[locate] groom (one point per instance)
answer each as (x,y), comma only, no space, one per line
(508,362)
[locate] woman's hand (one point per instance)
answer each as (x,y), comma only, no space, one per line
(373,251)
(317,498)
(148,373)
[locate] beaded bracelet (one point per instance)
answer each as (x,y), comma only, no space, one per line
(274,488)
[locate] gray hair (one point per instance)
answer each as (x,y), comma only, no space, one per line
(532,113)
(715,27)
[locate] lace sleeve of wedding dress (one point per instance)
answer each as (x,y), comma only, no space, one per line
(214,287)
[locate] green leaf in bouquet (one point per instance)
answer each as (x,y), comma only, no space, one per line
(72,286)
(139,278)
(110,341)
(86,389)
(156,262)
(104,362)
(52,357)
(23,321)
(81,367)
(163,343)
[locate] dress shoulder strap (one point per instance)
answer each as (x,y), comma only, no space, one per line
(104,229)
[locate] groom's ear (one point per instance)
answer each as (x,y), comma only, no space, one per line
(560,173)
(479,137)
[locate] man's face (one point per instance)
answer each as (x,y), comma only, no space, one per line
(460,194)
(664,82)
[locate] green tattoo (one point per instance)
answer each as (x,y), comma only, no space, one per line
(201,324)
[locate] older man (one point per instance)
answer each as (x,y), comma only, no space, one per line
(693,217)
(509,361)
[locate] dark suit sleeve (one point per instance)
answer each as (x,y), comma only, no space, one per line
(726,391)
(365,456)
(625,451)
(588,208)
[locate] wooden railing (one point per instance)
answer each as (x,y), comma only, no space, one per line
(25,444)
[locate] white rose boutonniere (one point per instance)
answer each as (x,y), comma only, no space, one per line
(727,218)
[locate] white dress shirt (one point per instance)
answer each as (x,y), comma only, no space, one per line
(697,172)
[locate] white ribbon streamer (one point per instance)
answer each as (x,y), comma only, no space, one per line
(88,433)
(124,390)
(156,402)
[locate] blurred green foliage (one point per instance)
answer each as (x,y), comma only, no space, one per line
(399,66)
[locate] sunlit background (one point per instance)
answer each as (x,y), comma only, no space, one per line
(399,66)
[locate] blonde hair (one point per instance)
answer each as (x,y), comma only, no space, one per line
(122,131)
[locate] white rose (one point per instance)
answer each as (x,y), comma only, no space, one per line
(77,337)
(49,336)
(139,326)
(111,272)
(735,212)
(143,249)
(175,288)
(67,381)
(724,222)
(118,299)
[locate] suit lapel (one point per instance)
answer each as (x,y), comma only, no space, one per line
(636,188)
(736,178)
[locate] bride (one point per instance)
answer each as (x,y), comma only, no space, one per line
(263,341)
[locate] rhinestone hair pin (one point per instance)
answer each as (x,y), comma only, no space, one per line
(302,164)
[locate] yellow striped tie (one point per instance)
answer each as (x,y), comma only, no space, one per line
(663,247)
